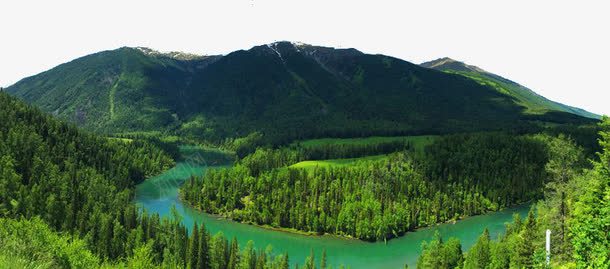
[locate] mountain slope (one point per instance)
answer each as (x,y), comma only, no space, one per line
(110,90)
(283,90)
(535,103)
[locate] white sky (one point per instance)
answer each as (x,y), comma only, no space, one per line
(561,49)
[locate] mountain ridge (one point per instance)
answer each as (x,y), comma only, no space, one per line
(447,64)
(283,90)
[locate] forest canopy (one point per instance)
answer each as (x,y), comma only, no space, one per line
(66,202)
(455,176)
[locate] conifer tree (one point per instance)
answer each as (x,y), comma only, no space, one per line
(203,251)
(193,253)
(479,257)
(233,254)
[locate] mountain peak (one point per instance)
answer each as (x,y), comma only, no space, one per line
(178,55)
(527,97)
(446,63)
(439,62)
(292,43)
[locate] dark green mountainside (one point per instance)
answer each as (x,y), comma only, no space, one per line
(535,103)
(283,90)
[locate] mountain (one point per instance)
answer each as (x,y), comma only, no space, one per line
(283,90)
(535,103)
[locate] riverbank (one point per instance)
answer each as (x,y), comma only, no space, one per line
(160,195)
(338,236)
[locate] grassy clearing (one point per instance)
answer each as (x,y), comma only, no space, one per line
(124,140)
(335,162)
(419,142)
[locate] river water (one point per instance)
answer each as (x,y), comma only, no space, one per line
(159,194)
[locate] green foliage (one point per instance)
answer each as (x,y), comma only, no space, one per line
(143,257)
(63,175)
(437,254)
(457,176)
(77,191)
(554,212)
(420,141)
(518,248)
(479,255)
(346,151)
(32,244)
(591,218)
(576,209)
(335,162)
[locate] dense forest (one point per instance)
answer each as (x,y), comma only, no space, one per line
(264,159)
(456,176)
(576,208)
(303,92)
(66,202)
(33,244)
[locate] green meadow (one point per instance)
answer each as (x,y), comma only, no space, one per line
(419,142)
(335,162)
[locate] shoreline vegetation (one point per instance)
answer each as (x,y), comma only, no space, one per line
(264,188)
(339,236)
(574,208)
(266,227)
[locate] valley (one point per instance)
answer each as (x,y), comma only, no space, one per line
(133,158)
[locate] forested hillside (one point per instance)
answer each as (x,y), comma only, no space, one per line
(456,176)
(277,92)
(533,102)
(66,202)
(576,208)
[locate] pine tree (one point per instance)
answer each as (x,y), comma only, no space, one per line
(233,254)
(285,264)
(526,247)
(203,251)
(261,260)
(193,253)
(591,226)
(310,261)
(248,258)
(452,253)
(432,253)
(323,260)
(479,256)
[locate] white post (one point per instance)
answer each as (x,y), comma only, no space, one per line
(548,247)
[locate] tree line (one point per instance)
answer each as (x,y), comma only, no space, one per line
(264,159)
(575,208)
(459,175)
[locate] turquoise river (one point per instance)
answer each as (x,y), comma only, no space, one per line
(159,194)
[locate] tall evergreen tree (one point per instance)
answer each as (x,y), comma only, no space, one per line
(193,253)
(479,256)
(203,256)
(591,224)
(323,260)
(527,243)
(452,254)
(432,253)
(233,254)
(310,261)
(248,257)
